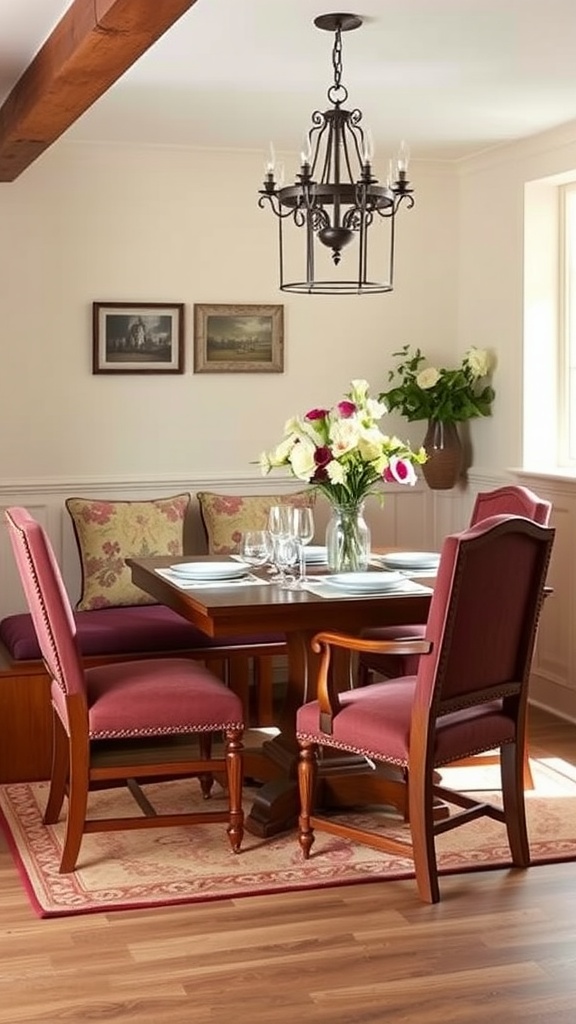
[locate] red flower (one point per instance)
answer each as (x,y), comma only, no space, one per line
(346,409)
(322,456)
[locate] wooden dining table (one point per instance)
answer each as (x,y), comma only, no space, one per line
(223,611)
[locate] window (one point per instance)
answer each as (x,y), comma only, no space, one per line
(567,332)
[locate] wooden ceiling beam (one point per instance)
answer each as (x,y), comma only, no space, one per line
(92,46)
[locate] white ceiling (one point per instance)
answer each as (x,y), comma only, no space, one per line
(452,77)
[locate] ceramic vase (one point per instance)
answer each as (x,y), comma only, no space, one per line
(445,456)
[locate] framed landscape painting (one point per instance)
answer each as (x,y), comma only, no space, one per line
(145,337)
(238,339)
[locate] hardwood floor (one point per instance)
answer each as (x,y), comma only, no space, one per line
(500,947)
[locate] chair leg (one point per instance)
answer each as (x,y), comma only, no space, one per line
(307,775)
(512,769)
(482,759)
(79,754)
(527,771)
(60,772)
(421,812)
(235,778)
(206,778)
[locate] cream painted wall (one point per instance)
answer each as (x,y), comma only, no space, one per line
(102,223)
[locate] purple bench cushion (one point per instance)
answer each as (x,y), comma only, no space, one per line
(131,630)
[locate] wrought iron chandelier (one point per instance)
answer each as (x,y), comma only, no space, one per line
(340,211)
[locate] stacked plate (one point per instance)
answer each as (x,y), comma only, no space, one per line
(418,561)
(204,572)
(365,582)
(314,555)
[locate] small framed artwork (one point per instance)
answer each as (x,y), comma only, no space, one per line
(238,339)
(145,337)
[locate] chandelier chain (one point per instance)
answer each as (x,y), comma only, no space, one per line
(337,58)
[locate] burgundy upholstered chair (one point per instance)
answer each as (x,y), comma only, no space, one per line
(469,695)
(510,500)
(124,721)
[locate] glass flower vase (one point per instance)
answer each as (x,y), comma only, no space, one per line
(347,539)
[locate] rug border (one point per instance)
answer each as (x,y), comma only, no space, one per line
(402,874)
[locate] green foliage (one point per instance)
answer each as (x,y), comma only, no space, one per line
(448,396)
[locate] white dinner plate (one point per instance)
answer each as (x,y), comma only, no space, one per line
(314,553)
(365,582)
(412,559)
(210,570)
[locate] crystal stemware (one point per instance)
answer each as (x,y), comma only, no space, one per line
(256,547)
(279,525)
(303,529)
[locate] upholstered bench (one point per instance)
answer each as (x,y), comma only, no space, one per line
(113,634)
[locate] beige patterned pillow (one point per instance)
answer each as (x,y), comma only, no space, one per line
(227,516)
(109,532)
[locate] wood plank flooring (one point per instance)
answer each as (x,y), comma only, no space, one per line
(500,947)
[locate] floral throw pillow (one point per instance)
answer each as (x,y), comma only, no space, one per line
(109,532)
(227,516)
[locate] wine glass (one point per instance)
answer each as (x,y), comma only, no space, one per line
(287,556)
(303,529)
(255,547)
(279,525)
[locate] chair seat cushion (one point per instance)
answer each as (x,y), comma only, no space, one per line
(123,699)
(375,722)
(132,630)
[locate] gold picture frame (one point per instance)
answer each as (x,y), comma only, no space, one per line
(238,339)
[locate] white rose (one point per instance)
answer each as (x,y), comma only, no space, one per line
(427,378)
(302,460)
(478,360)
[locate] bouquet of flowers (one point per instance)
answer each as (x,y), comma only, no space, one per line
(343,453)
(447,396)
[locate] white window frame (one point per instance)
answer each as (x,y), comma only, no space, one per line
(567,329)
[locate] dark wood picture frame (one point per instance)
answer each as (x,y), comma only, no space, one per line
(138,337)
(238,339)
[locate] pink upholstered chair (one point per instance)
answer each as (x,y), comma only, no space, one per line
(510,500)
(469,695)
(103,715)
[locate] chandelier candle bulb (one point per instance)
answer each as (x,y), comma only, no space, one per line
(403,158)
(368,148)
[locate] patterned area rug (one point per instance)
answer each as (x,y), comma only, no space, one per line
(159,867)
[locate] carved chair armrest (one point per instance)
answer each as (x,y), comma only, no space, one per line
(327,691)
